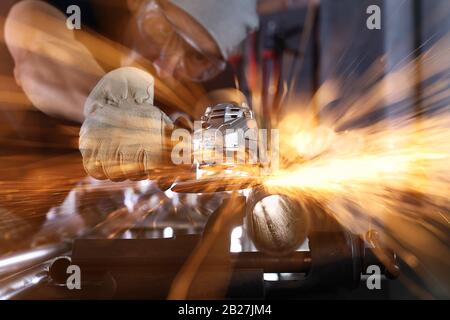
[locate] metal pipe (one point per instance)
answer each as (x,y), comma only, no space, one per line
(13,263)
(17,284)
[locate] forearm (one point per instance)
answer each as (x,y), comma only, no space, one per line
(56,71)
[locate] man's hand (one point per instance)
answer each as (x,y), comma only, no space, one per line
(124,136)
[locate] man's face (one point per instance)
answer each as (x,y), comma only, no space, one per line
(177,44)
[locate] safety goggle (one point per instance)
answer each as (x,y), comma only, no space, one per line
(165,41)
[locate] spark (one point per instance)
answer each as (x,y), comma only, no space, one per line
(390,173)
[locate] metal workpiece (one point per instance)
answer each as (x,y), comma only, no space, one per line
(277,224)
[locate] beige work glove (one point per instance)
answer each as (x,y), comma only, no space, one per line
(124,136)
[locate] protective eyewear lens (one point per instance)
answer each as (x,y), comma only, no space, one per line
(158,32)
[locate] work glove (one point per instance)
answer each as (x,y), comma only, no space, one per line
(124,136)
